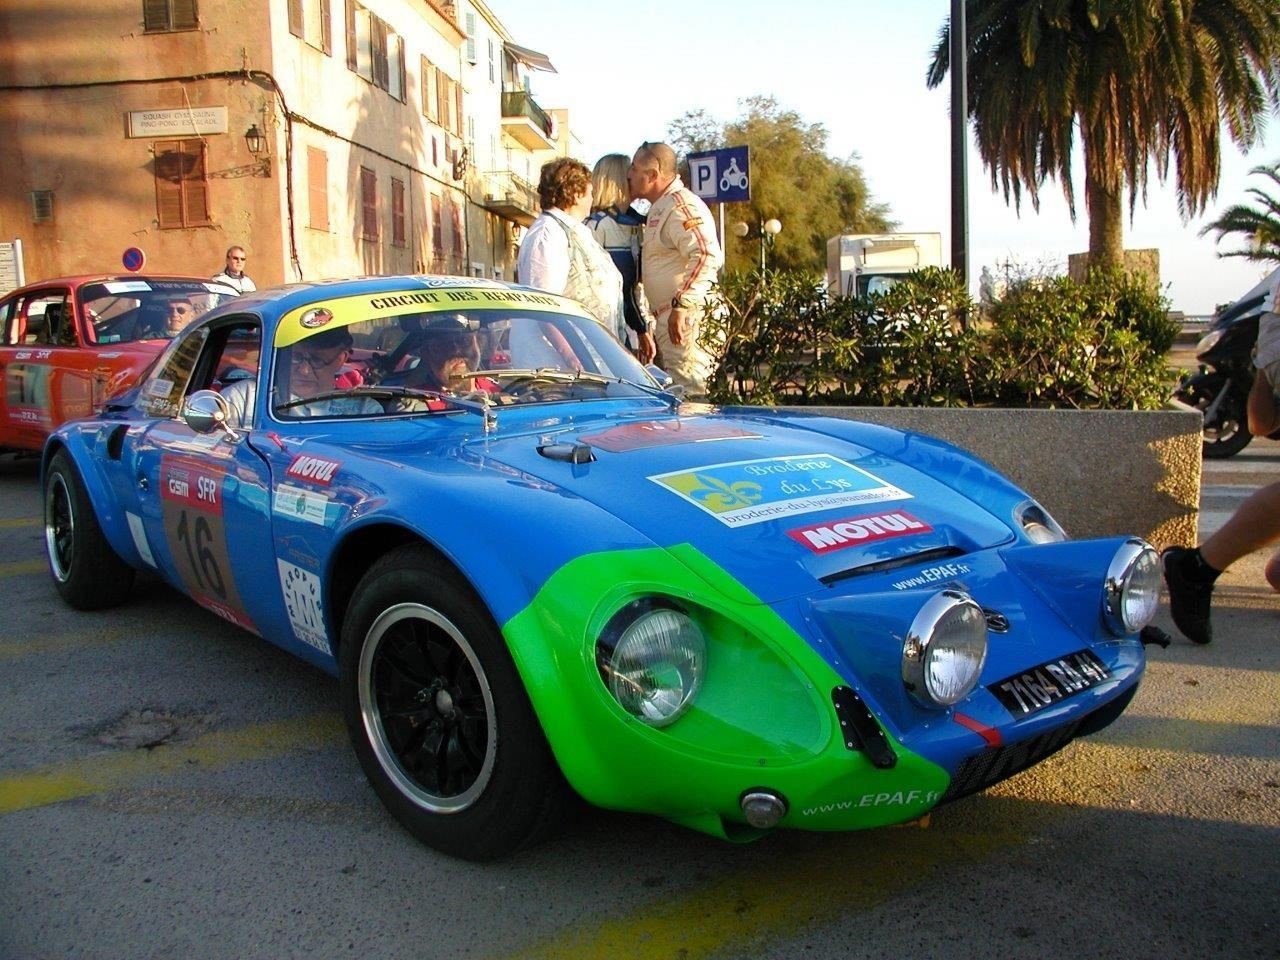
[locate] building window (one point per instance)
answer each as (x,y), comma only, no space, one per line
(41,205)
(374,50)
(397,212)
(309,20)
(471,36)
(455,214)
(318,188)
(437,228)
(493,70)
(161,16)
(368,204)
(182,183)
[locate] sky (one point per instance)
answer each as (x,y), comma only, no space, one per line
(626,70)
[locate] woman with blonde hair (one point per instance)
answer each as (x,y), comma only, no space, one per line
(617,228)
(559,254)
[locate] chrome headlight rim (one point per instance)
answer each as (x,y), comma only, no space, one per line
(613,639)
(922,642)
(1037,524)
(1120,580)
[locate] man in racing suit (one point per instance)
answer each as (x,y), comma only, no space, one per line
(680,258)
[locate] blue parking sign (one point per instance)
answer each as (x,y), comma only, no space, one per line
(721,176)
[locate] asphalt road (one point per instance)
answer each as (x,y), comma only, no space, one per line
(172,787)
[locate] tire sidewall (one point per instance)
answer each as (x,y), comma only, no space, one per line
(503,817)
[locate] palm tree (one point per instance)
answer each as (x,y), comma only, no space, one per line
(1140,80)
(1259,225)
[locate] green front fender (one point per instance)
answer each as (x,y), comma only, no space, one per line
(763,717)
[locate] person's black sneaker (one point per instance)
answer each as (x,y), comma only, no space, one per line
(1190,582)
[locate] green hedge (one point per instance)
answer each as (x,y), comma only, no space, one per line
(1100,344)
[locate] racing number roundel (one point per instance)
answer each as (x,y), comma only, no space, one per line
(196,534)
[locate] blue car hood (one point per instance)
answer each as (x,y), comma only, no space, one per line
(782,508)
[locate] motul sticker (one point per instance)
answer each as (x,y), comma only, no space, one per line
(316,469)
(825,537)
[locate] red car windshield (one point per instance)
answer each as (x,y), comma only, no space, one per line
(121,311)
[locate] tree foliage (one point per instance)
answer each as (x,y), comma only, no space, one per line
(793,179)
(1258,225)
(1139,81)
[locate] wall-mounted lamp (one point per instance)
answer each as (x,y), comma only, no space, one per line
(254,140)
(257,144)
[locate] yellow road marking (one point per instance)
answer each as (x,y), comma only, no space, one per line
(21,568)
(20,522)
(11,649)
(23,790)
(781,896)
(813,881)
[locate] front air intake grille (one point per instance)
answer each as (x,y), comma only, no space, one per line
(999,763)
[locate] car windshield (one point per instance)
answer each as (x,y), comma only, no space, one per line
(121,311)
(436,361)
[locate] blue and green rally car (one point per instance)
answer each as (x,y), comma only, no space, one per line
(537,573)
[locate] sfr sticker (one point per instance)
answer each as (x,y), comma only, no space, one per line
(825,537)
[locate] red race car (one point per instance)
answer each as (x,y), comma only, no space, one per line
(71,342)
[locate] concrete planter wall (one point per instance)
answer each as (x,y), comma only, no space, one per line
(1099,472)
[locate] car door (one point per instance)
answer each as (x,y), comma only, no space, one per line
(204,499)
(43,336)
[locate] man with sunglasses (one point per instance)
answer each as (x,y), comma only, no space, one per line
(308,368)
(178,312)
(233,274)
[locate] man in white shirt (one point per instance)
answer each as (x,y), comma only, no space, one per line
(233,274)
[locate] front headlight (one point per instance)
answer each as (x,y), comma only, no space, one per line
(1037,524)
(1208,342)
(945,649)
(652,657)
(1131,591)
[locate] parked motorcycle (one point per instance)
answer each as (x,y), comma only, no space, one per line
(1220,388)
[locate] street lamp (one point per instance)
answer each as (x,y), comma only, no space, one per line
(765,230)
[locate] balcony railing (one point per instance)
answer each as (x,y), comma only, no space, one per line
(510,196)
(518,103)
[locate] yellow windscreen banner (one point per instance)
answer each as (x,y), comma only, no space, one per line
(343,311)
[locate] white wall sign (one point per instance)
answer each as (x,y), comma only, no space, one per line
(177,123)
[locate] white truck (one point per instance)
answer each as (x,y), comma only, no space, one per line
(859,264)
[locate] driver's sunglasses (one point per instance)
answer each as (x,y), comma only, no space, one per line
(315,361)
(180,309)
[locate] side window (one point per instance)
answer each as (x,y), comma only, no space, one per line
(162,392)
(9,321)
(48,320)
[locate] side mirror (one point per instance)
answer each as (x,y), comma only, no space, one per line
(664,380)
(205,411)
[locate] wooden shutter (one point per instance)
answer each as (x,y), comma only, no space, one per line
(442,98)
(397,212)
(351,35)
(455,214)
(457,96)
(437,228)
(182,185)
(296,25)
(326,28)
(318,188)
(162,15)
(368,204)
(378,38)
